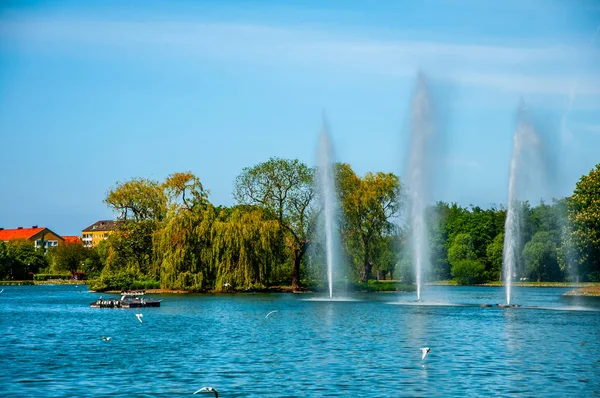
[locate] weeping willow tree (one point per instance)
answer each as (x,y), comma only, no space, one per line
(182,249)
(182,243)
(246,247)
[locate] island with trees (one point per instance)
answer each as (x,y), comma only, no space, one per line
(172,237)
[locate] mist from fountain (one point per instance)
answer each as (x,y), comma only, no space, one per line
(329,205)
(525,160)
(418,176)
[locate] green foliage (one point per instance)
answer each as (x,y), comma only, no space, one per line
(144,285)
(494,257)
(540,255)
(109,280)
(67,257)
(93,264)
(468,271)
(246,247)
(369,205)
(584,217)
(138,199)
(172,233)
(6,261)
(462,248)
(283,189)
(45,277)
(19,258)
(381,286)
(182,247)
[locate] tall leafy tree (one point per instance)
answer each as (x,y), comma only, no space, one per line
(182,249)
(369,206)
(23,258)
(246,247)
(283,188)
(138,199)
(540,255)
(140,205)
(584,216)
(68,257)
(494,257)
(182,240)
(466,268)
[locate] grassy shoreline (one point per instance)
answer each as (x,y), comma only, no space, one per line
(589,289)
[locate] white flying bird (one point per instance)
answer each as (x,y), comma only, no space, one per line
(425,351)
(271,313)
(106,338)
(1,290)
(208,389)
(139,317)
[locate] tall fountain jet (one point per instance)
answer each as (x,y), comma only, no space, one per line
(327,194)
(418,176)
(526,149)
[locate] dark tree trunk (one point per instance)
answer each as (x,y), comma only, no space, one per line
(366,270)
(298,253)
(296,271)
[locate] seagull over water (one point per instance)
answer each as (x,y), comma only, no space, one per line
(271,313)
(106,338)
(139,317)
(208,389)
(425,351)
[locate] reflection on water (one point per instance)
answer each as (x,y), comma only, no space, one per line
(51,345)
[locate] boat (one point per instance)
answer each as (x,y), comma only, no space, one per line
(127,300)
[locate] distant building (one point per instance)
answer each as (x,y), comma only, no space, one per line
(72,240)
(97,232)
(42,237)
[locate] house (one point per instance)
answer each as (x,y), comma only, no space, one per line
(72,240)
(97,232)
(42,237)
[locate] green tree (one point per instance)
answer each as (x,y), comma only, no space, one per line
(138,199)
(462,248)
(468,271)
(93,263)
(181,242)
(584,216)
(67,257)
(369,205)
(6,261)
(140,204)
(246,247)
(540,257)
(25,259)
(466,268)
(494,257)
(182,249)
(283,188)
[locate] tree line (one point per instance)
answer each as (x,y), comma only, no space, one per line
(171,236)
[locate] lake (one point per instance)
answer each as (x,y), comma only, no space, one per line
(51,345)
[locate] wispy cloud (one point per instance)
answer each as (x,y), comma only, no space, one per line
(495,67)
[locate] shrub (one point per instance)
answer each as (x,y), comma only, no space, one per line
(45,277)
(144,285)
(468,272)
(594,276)
(108,280)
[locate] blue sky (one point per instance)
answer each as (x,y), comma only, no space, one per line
(95,92)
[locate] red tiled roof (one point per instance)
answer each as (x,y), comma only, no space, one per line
(72,240)
(23,233)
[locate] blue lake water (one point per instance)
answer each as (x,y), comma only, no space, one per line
(51,345)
